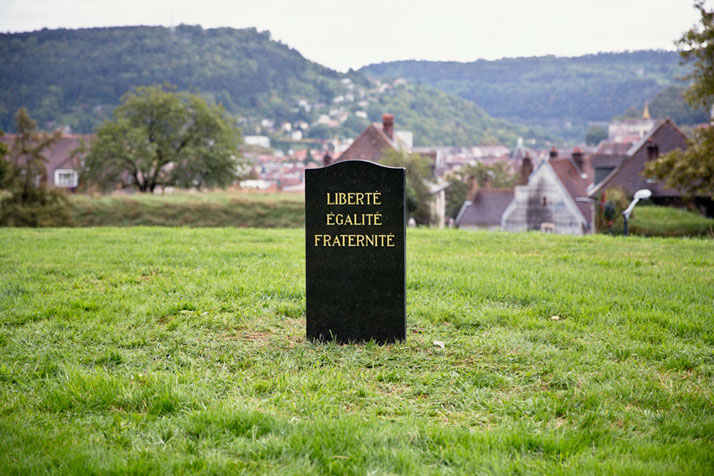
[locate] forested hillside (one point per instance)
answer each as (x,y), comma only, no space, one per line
(76,78)
(431,114)
(670,102)
(592,87)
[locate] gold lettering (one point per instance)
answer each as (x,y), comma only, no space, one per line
(354,198)
(356,240)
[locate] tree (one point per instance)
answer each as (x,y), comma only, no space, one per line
(417,193)
(161,138)
(29,201)
(692,170)
(595,135)
(697,44)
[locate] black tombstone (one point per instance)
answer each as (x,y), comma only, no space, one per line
(355,236)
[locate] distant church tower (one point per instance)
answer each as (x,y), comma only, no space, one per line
(646,112)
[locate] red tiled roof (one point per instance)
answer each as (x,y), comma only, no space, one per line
(369,145)
(573,182)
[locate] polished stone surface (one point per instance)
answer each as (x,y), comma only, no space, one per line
(355,232)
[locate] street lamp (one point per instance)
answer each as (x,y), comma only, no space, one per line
(642,194)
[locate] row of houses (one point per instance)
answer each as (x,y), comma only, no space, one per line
(557,192)
(561,194)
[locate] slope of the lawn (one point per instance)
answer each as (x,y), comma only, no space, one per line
(208,209)
(165,350)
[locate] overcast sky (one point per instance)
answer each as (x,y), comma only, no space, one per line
(344,34)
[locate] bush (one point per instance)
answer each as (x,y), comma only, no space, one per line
(609,208)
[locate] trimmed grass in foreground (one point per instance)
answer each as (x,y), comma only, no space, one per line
(164,350)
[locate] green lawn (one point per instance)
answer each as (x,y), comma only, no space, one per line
(178,350)
(667,221)
(207,209)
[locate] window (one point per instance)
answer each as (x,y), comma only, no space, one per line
(66,178)
(547,227)
(601,173)
(652,151)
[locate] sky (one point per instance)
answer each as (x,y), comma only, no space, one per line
(350,34)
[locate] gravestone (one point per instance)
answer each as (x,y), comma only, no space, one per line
(355,252)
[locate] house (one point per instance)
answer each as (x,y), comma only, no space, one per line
(664,137)
(62,168)
(484,208)
(630,130)
(607,157)
(554,200)
(373,141)
(376,139)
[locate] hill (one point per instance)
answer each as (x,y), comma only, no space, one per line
(548,89)
(182,351)
(439,118)
(76,77)
(670,102)
(81,74)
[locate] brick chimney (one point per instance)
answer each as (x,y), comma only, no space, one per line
(473,188)
(526,169)
(388,125)
(578,158)
(553,153)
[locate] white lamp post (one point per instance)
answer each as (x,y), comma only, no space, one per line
(642,194)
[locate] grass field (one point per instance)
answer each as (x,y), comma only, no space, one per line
(667,221)
(208,209)
(177,350)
